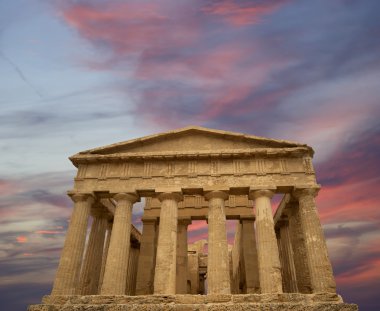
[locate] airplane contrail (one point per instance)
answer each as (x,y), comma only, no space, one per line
(20,74)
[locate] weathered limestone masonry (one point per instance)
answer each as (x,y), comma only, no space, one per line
(194,173)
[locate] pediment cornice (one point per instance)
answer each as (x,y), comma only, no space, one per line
(222,154)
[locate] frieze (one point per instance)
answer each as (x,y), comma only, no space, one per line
(146,186)
(82,171)
(215,168)
(308,165)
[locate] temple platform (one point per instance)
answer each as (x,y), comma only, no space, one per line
(272,302)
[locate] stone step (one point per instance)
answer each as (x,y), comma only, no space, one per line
(198,307)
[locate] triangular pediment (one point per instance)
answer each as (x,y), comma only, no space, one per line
(191,139)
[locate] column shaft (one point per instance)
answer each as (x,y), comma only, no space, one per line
(147,258)
(93,260)
(267,250)
(250,257)
(132,271)
(105,253)
(165,274)
(181,273)
(299,249)
(288,268)
(67,277)
(115,273)
(218,268)
(321,274)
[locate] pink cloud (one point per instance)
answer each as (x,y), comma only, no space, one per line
(197,225)
(8,187)
(49,232)
(242,14)
(129,27)
(349,201)
(365,272)
(21,239)
(161,46)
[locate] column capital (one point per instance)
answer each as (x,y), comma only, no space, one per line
(300,192)
(216,194)
(81,196)
(253,194)
(176,196)
(132,197)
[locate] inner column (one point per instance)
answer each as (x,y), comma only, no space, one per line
(181,282)
(218,268)
(267,249)
(89,279)
(115,273)
(147,258)
(165,273)
(250,255)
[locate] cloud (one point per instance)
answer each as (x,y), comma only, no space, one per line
(49,232)
(192,64)
(130,27)
(242,13)
(21,239)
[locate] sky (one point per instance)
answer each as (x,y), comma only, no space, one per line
(86,73)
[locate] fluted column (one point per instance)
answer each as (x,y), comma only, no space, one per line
(115,273)
(181,274)
(67,277)
(105,252)
(288,268)
(165,273)
(132,270)
(250,256)
(147,258)
(218,269)
(298,244)
(321,274)
(93,259)
(267,250)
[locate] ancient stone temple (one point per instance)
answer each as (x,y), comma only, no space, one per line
(276,262)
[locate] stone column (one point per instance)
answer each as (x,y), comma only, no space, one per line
(147,258)
(250,256)
(105,252)
(89,280)
(132,270)
(193,270)
(67,277)
(218,269)
(115,273)
(181,273)
(165,273)
(321,274)
(299,250)
(267,250)
(288,268)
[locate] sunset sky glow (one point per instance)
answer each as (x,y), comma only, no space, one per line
(78,74)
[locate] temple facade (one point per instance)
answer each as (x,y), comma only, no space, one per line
(192,174)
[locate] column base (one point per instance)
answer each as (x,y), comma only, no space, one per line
(273,302)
